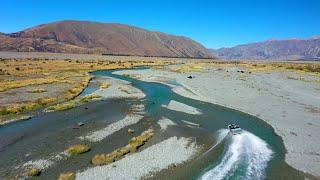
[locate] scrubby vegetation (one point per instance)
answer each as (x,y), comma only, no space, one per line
(62,107)
(37,91)
(193,66)
(78,149)
(33,172)
(134,144)
(188,67)
(307,67)
(62,79)
(89,97)
(73,103)
(273,66)
(104,85)
(25,107)
(5,85)
(67,176)
(130,131)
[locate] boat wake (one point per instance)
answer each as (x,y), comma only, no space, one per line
(246,157)
(221,135)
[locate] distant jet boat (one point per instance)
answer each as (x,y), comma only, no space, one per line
(234,129)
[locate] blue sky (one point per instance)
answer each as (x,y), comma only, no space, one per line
(215,23)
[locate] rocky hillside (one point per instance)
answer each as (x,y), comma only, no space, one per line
(100,38)
(291,49)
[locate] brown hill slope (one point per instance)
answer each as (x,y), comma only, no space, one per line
(291,49)
(92,37)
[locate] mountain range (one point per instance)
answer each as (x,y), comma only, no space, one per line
(290,49)
(86,37)
(101,38)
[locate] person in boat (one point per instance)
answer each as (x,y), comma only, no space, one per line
(233,126)
(234,129)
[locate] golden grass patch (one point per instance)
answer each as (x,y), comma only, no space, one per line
(78,149)
(33,172)
(25,107)
(45,101)
(134,144)
(105,85)
(250,65)
(130,131)
(73,103)
(40,90)
(6,85)
(313,68)
(67,176)
(75,74)
(89,97)
(189,67)
(62,107)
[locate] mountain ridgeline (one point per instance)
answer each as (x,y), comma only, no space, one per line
(86,37)
(101,38)
(291,49)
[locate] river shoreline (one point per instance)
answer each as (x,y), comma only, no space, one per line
(179,115)
(271,102)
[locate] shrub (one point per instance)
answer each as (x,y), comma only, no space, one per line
(89,97)
(130,131)
(73,103)
(37,91)
(45,101)
(98,159)
(134,144)
(62,107)
(78,149)
(105,85)
(34,172)
(67,176)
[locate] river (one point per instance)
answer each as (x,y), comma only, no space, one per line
(257,153)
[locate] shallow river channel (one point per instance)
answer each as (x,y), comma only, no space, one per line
(256,153)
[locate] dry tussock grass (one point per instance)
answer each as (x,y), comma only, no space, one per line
(78,149)
(15,74)
(72,103)
(5,85)
(313,68)
(40,90)
(189,67)
(105,85)
(33,172)
(25,107)
(67,176)
(134,144)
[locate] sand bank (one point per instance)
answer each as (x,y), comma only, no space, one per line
(118,89)
(45,163)
(178,106)
(112,128)
(151,160)
(164,123)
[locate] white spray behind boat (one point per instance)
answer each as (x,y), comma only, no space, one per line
(245,151)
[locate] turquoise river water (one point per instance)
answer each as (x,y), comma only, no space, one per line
(257,153)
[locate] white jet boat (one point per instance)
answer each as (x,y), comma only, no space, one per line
(234,129)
